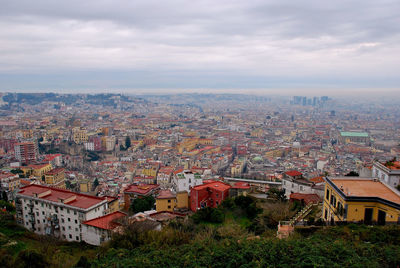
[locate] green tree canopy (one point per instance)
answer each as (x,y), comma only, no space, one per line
(142,204)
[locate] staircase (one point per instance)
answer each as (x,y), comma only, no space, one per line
(303,213)
(285,228)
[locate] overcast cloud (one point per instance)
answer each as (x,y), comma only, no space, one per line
(127,44)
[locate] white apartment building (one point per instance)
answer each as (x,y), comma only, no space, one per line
(57,212)
(185,180)
(291,185)
(390,174)
(89,146)
(99,230)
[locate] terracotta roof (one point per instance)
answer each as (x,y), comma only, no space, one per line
(57,195)
(317,180)
(366,188)
(54,171)
(142,189)
(106,222)
(165,215)
(308,198)
(216,185)
(35,166)
(241,185)
(293,173)
(165,194)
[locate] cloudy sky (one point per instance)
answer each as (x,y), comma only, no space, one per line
(283,45)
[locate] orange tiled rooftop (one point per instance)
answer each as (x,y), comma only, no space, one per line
(366,188)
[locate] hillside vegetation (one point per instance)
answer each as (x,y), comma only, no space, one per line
(238,234)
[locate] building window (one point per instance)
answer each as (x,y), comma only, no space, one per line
(327,194)
(77,238)
(169,200)
(38,221)
(76,221)
(37,213)
(325,214)
(69,228)
(67,210)
(69,219)
(70,236)
(62,220)
(63,228)
(169,206)
(333,201)
(42,212)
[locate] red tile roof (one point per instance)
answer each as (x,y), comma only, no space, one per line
(216,185)
(106,222)
(293,173)
(57,195)
(308,198)
(165,194)
(317,180)
(241,185)
(55,171)
(141,189)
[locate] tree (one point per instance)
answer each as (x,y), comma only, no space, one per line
(277,195)
(4,196)
(142,204)
(127,142)
(83,262)
(16,171)
(30,258)
(352,174)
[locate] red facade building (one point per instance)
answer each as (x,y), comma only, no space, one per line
(208,195)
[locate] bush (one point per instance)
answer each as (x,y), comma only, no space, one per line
(8,206)
(30,258)
(213,215)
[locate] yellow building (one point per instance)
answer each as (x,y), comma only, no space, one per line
(55,178)
(85,186)
(79,135)
(187,145)
(356,199)
(39,170)
(150,171)
(182,200)
(165,201)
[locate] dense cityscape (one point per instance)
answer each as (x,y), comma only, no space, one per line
(80,167)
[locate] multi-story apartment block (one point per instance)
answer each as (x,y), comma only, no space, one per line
(388,172)
(26,151)
(108,143)
(185,180)
(57,212)
(79,135)
(9,183)
(55,178)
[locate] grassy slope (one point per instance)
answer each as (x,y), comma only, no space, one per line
(219,245)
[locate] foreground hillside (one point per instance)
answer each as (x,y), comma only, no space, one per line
(208,245)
